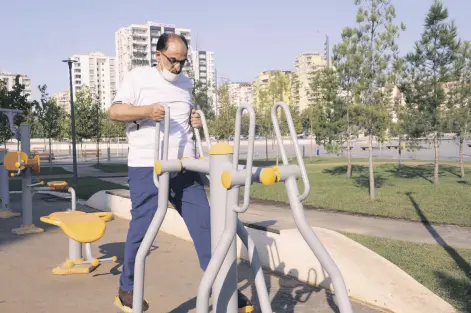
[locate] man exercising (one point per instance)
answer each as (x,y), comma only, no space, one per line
(137,104)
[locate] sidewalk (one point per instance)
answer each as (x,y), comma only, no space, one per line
(172,273)
(278,216)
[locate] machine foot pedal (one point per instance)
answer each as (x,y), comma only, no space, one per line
(69,268)
(246,309)
(27,229)
(125,309)
(4,214)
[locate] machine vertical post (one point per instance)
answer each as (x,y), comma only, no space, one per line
(224,295)
(5,211)
(27,226)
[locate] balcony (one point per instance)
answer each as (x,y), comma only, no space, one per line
(140,54)
(139,38)
(140,62)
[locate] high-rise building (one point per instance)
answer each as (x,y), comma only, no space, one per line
(262,83)
(305,65)
(98,72)
(136,45)
(63,100)
(241,93)
(204,70)
(8,78)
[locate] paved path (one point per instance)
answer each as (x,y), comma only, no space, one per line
(172,273)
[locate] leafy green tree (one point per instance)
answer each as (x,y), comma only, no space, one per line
(429,67)
(263,112)
(459,97)
(347,60)
(49,116)
(376,36)
(5,132)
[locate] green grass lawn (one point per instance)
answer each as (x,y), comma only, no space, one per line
(408,194)
(112,168)
(443,270)
(87,186)
(51,170)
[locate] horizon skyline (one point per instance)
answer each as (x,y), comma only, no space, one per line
(255,43)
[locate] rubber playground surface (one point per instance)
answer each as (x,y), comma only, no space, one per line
(172,272)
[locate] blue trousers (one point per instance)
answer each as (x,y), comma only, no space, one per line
(187,195)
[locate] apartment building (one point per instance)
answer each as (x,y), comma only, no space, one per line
(305,65)
(204,70)
(63,100)
(136,45)
(9,79)
(98,72)
(241,93)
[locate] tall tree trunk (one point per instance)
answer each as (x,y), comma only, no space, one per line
(50,156)
(349,156)
(312,144)
(266,148)
(461,156)
(399,148)
(437,157)
(372,174)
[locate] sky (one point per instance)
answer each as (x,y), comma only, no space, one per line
(247,36)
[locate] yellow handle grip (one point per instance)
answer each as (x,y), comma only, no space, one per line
(106,216)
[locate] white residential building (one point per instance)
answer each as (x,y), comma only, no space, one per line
(98,72)
(62,100)
(241,93)
(204,70)
(136,45)
(9,79)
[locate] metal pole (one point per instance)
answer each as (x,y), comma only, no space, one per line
(72,121)
(75,247)
(225,284)
(5,212)
(27,226)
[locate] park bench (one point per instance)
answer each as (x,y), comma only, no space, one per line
(43,155)
(392,146)
(366,148)
(94,152)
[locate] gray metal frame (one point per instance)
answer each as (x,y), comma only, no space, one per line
(220,277)
(288,175)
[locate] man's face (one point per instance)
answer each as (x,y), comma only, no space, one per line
(173,59)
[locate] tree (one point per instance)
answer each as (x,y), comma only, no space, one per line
(264,122)
(347,62)
(459,97)
(201,99)
(429,67)
(5,132)
(376,37)
(49,116)
(224,123)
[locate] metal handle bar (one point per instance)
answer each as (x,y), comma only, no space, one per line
(157,155)
(235,160)
(206,133)
(294,139)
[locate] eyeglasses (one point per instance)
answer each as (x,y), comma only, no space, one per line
(175,61)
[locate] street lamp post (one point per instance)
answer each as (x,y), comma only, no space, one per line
(72,117)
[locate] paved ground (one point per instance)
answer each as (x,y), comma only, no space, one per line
(173,274)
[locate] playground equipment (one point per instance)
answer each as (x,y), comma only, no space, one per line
(226,176)
(81,228)
(20,164)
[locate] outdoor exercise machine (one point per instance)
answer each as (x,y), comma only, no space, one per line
(81,228)
(226,176)
(20,164)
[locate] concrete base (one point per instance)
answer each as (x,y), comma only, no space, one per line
(287,253)
(4,214)
(27,230)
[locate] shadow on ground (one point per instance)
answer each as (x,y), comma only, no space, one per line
(446,281)
(360,175)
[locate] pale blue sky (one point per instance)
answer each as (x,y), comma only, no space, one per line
(247,36)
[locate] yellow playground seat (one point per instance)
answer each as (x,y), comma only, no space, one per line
(81,228)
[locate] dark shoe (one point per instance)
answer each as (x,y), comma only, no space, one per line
(243,303)
(124,301)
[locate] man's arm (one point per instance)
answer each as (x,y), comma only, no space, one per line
(124,112)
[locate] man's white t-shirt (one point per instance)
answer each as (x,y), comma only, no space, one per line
(145,86)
